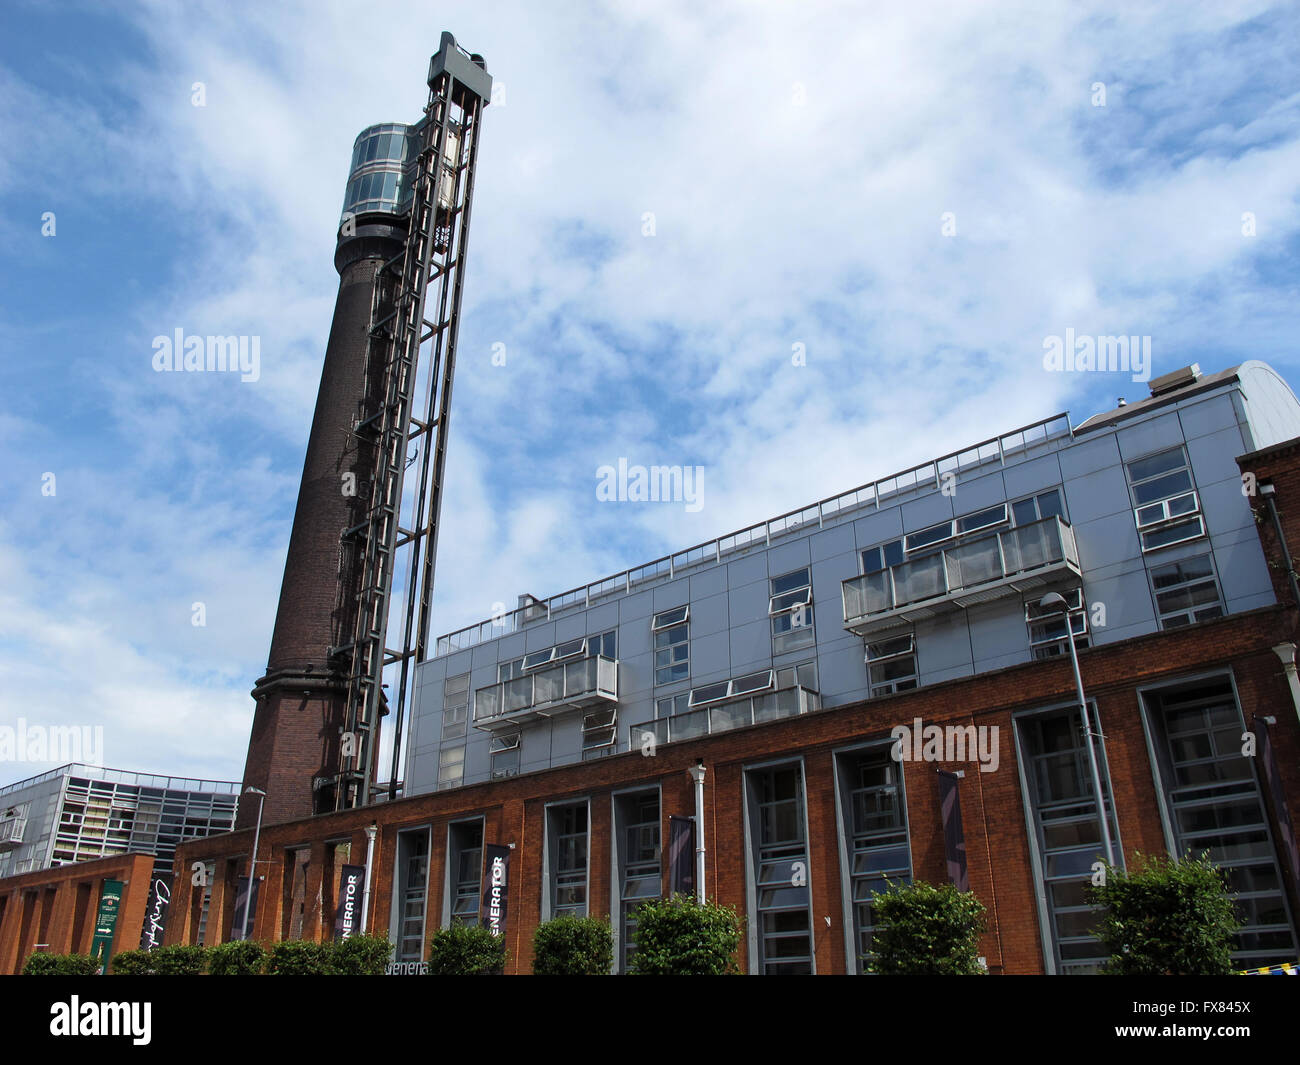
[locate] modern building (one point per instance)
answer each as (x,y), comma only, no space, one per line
(80,813)
(878,687)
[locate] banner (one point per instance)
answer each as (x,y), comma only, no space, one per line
(1267,764)
(954,839)
(155,913)
(681,855)
(110,904)
(347,915)
(241,897)
(496,882)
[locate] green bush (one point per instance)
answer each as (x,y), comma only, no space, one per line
(362,955)
(178,960)
(243,957)
(573,946)
(42,964)
(923,930)
(466,950)
(300,957)
(678,937)
(132,963)
(1166,918)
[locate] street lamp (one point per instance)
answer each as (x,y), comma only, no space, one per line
(1051,601)
(252,858)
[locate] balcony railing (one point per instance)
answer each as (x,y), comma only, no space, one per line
(975,571)
(582,683)
(752,710)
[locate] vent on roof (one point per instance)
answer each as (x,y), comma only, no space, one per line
(1178,379)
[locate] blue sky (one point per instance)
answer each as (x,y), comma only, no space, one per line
(798,159)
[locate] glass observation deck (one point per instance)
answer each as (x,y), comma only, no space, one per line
(376,179)
(965,574)
(544,693)
(735,713)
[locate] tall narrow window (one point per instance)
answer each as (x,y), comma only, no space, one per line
(1213,804)
(672,645)
(1048,627)
(568,860)
(790,608)
(455,706)
(1186,592)
(412,883)
(781,875)
(891,664)
(465,870)
(1056,775)
(640,875)
(503,752)
(1166,507)
(875,813)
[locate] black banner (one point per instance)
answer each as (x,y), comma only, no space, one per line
(954,839)
(681,855)
(241,898)
(155,913)
(347,914)
(496,882)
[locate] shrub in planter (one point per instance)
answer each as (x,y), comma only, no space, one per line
(132,963)
(240,958)
(299,957)
(678,937)
(466,950)
(178,960)
(362,955)
(40,964)
(923,930)
(1166,918)
(573,946)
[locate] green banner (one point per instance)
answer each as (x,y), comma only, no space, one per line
(110,902)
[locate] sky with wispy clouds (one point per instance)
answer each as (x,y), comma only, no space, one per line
(917,193)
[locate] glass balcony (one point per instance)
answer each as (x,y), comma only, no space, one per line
(752,710)
(980,570)
(543,693)
(11,833)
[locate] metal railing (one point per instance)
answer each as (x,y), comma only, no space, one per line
(561,683)
(735,713)
(928,475)
(963,566)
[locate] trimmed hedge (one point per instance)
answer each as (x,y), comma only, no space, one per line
(298,957)
(241,958)
(923,930)
(362,955)
(466,950)
(678,937)
(573,946)
(40,964)
(132,963)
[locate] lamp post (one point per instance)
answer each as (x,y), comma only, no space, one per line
(1056,600)
(696,773)
(252,858)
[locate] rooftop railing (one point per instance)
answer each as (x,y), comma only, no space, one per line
(928,475)
(544,692)
(970,571)
(125,776)
(736,713)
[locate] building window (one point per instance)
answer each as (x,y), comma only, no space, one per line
(1037,507)
(803,675)
(1047,627)
(455,706)
(672,645)
(882,556)
(779,832)
(735,688)
(672,704)
(1166,507)
(891,664)
(503,753)
(879,853)
(599,733)
(790,608)
(412,881)
(1055,774)
(640,874)
(465,870)
(451,767)
(510,670)
(1186,592)
(1213,804)
(568,860)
